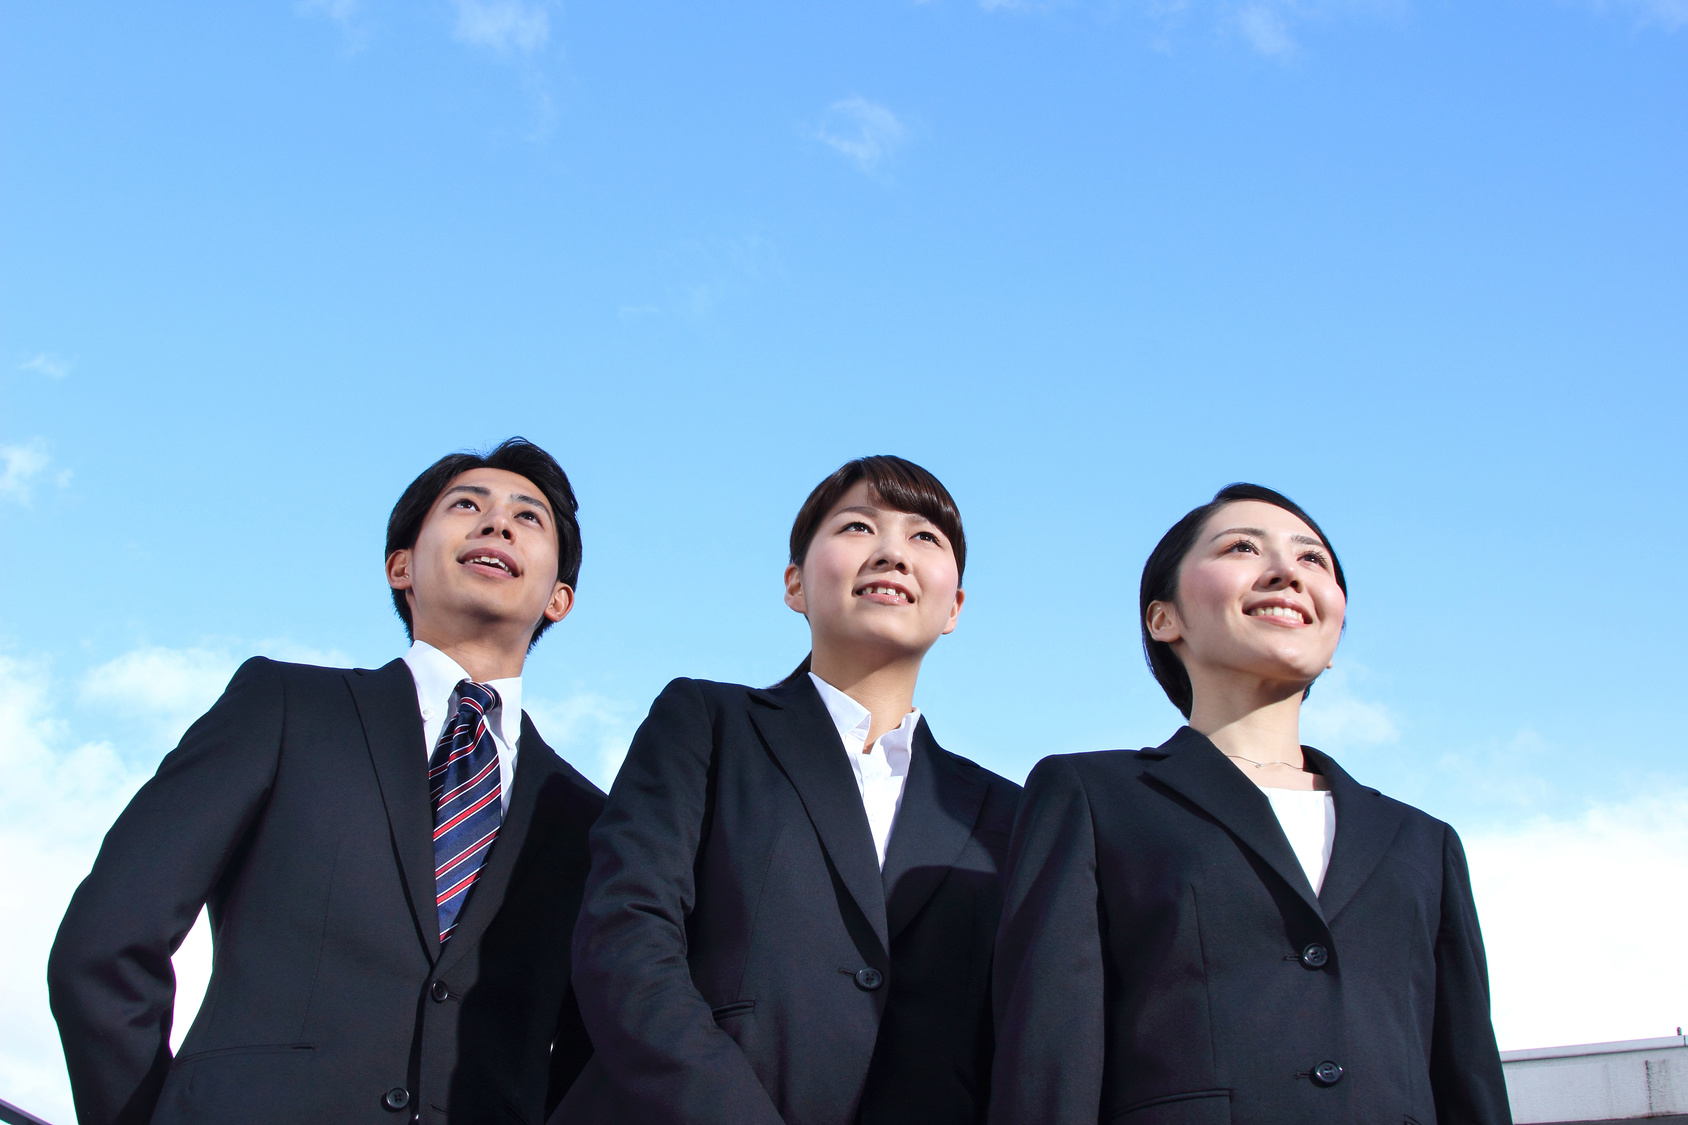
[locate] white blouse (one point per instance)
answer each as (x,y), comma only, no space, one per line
(1308,817)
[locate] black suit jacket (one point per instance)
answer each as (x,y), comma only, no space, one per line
(297,810)
(1163,959)
(740,956)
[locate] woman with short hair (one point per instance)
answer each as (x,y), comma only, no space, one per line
(795,889)
(1227,927)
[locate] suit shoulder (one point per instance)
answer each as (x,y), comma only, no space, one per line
(1097,764)
(990,777)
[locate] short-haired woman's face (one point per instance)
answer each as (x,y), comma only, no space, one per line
(877,582)
(1257,596)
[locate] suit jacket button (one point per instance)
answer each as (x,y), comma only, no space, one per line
(396,1098)
(869,978)
(440,992)
(1315,956)
(1327,1073)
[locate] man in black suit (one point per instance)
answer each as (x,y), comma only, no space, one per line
(794,890)
(392,859)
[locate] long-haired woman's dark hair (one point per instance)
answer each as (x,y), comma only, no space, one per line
(1160,579)
(895,483)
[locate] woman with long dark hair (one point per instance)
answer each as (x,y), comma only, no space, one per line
(1227,927)
(794,890)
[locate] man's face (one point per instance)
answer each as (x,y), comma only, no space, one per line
(485,561)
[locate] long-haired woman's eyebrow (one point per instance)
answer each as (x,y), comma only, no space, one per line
(1238,531)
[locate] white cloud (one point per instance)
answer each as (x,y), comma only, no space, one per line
(52,366)
(502,25)
(1334,718)
(1265,29)
(1668,14)
(59,798)
(1583,920)
(20,465)
(590,731)
(161,690)
(865,132)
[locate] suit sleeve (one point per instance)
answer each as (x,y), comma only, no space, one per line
(1465,1072)
(1047,987)
(109,977)
(652,1030)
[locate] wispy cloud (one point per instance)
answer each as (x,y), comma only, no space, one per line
(1265,29)
(503,26)
(23,466)
(1668,14)
(864,132)
(1335,717)
(1582,918)
(590,731)
(48,364)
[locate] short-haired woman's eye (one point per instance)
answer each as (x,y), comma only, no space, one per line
(1316,558)
(928,535)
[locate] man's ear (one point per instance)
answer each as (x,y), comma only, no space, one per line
(562,600)
(794,589)
(1162,619)
(398,569)
(955,612)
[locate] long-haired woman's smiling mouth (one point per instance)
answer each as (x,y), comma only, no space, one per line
(885,593)
(486,560)
(1280,611)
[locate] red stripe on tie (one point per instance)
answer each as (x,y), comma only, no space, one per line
(462,884)
(445,800)
(466,813)
(466,853)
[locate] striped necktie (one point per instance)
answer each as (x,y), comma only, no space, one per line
(463,781)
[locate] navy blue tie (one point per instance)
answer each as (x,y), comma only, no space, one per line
(464,783)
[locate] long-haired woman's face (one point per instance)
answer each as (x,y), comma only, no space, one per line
(876,580)
(1256,595)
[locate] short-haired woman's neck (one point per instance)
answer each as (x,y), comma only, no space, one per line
(885,688)
(1255,720)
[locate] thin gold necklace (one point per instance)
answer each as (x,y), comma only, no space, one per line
(1263,765)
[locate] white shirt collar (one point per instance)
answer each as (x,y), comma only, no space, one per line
(854,721)
(437,676)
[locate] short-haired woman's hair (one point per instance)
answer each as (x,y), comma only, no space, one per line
(1160,579)
(896,483)
(516,455)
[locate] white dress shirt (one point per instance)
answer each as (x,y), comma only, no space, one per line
(1308,817)
(880,768)
(437,676)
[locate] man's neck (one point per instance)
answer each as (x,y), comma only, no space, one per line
(484,658)
(887,691)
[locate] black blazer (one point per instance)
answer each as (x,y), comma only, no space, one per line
(1164,961)
(297,809)
(741,958)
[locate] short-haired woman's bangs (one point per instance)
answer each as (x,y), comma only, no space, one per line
(896,483)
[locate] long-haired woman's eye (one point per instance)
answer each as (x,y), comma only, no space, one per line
(1241,546)
(1317,559)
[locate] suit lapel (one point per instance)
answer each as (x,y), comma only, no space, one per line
(535,761)
(392,727)
(1195,768)
(1366,824)
(940,805)
(803,740)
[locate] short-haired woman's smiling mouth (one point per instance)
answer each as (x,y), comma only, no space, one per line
(885,592)
(1280,611)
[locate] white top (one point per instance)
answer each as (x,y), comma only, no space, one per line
(1308,817)
(880,768)
(437,676)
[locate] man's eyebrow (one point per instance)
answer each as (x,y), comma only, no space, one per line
(475,489)
(1307,539)
(524,498)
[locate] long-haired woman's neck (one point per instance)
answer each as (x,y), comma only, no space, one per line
(886,689)
(1262,724)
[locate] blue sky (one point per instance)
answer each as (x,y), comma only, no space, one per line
(1422,266)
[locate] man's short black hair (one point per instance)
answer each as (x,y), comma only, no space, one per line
(517,455)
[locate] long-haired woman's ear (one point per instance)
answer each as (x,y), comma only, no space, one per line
(1162,619)
(794,589)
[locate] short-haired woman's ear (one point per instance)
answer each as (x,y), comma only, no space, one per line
(794,589)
